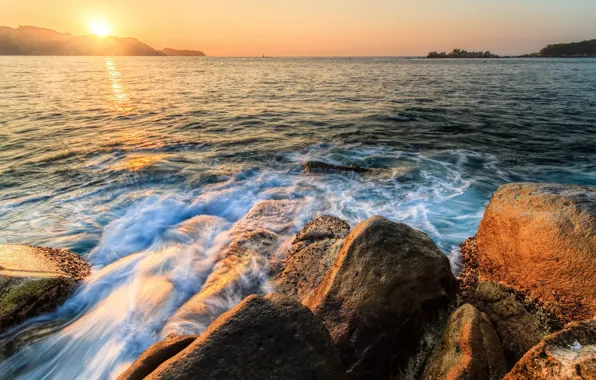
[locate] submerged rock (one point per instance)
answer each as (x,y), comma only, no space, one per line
(155,355)
(34,280)
(271,337)
(470,349)
(386,283)
(540,239)
(565,355)
(312,167)
(240,267)
(311,255)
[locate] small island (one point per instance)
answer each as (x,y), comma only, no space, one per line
(458,53)
(182,53)
(563,50)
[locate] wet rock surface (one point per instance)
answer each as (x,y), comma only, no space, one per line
(155,355)
(469,349)
(311,255)
(239,268)
(565,355)
(34,280)
(386,283)
(324,227)
(540,239)
(271,337)
(518,329)
(320,167)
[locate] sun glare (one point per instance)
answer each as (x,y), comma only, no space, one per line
(100,28)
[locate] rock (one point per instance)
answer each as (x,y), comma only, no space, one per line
(540,239)
(469,349)
(240,267)
(468,277)
(386,283)
(271,337)
(311,255)
(324,227)
(155,355)
(565,355)
(34,280)
(320,167)
(518,329)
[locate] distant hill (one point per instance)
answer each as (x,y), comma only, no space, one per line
(182,53)
(31,40)
(574,49)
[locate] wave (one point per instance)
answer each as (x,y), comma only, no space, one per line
(170,261)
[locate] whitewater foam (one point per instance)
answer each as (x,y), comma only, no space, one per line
(162,249)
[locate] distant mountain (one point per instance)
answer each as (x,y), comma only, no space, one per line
(31,40)
(574,49)
(182,53)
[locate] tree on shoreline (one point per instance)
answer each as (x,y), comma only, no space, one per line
(574,49)
(459,53)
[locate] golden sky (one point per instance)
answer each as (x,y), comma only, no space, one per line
(320,27)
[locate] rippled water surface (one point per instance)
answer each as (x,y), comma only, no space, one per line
(149,168)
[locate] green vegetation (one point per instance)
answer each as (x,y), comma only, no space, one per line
(574,49)
(458,53)
(23,293)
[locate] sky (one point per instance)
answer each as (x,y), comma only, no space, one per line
(320,27)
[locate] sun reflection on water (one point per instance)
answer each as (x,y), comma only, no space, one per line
(136,162)
(120,100)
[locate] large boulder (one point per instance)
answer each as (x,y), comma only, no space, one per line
(311,255)
(565,355)
(470,349)
(155,355)
(541,240)
(387,283)
(34,280)
(271,337)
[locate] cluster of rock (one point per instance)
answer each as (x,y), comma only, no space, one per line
(381,302)
(531,269)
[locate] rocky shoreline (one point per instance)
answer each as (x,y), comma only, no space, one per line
(380,301)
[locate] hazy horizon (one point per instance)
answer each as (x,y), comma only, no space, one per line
(321,28)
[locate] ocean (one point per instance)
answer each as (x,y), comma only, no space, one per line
(118,158)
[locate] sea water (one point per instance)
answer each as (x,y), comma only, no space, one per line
(144,165)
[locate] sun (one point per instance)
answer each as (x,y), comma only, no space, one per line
(100,28)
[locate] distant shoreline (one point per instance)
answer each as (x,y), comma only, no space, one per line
(583,49)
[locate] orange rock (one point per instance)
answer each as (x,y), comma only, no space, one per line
(540,239)
(569,354)
(469,349)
